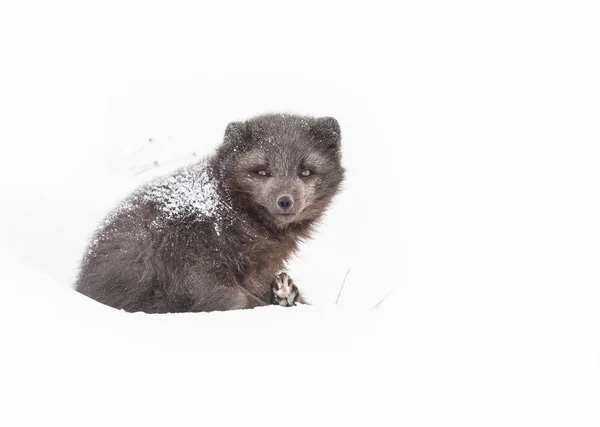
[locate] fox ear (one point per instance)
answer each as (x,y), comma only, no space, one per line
(236,134)
(327,131)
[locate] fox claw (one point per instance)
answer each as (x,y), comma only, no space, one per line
(285,293)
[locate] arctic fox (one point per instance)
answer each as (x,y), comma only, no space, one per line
(216,235)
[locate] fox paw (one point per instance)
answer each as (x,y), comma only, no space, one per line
(284,292)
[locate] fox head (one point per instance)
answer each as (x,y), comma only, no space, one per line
(283,168)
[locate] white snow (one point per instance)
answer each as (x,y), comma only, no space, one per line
(471,139)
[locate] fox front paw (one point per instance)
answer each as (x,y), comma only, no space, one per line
(284,292)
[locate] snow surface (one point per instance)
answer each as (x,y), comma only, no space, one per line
(471,139)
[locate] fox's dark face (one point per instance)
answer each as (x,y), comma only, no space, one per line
(284,168)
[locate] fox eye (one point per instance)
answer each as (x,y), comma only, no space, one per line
(305,172)
(262,172)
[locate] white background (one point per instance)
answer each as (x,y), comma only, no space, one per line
(471,138)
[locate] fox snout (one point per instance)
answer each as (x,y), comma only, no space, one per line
(285,203)
(284,198)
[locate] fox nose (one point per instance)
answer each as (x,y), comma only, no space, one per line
(285,203)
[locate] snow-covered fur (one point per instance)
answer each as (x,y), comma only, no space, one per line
(215,235)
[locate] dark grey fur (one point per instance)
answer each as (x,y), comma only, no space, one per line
(213,236)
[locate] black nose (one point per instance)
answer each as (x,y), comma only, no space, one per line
(285,203)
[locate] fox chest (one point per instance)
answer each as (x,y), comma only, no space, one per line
(261,263)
